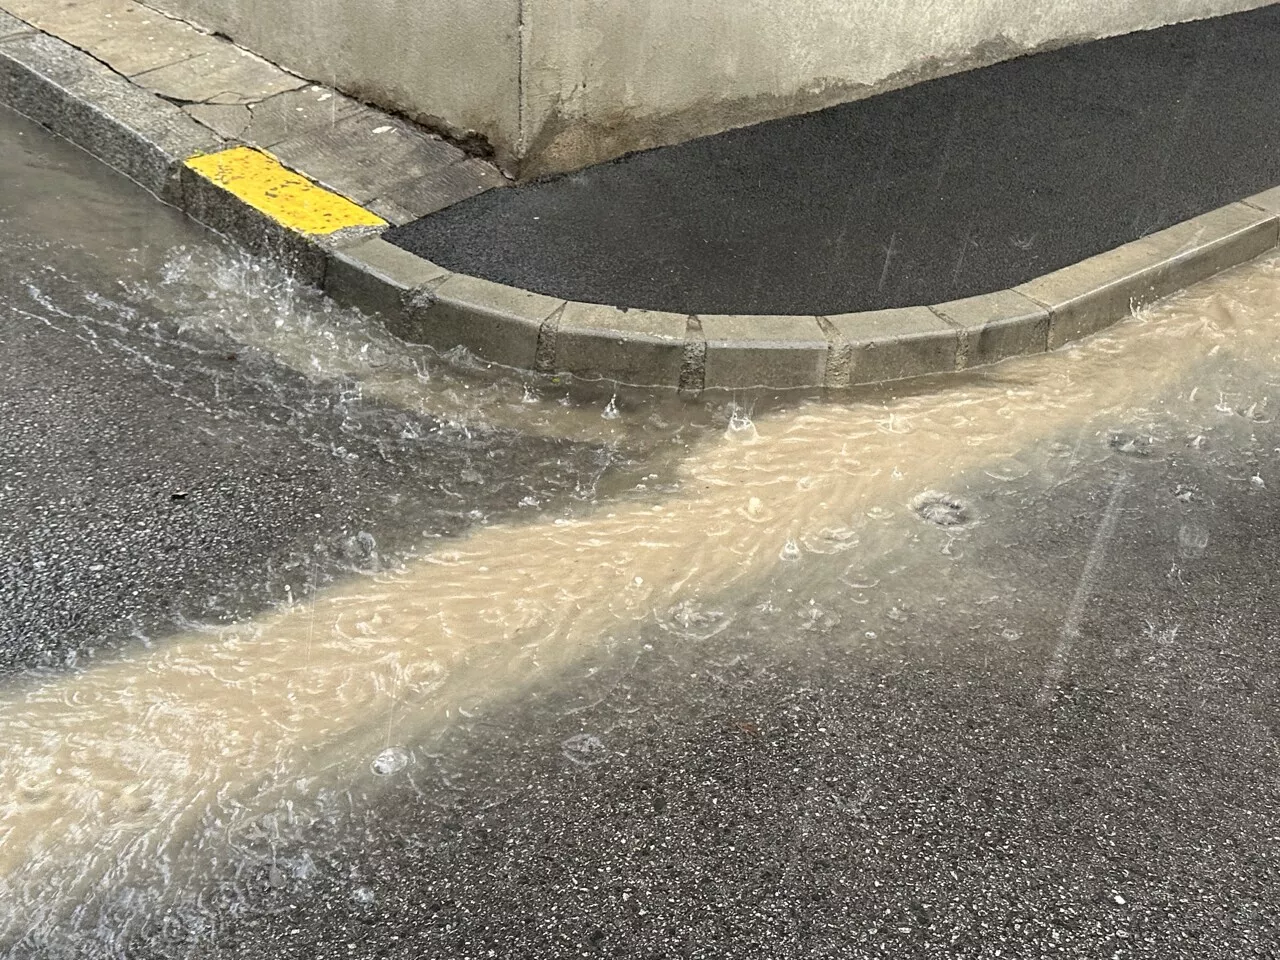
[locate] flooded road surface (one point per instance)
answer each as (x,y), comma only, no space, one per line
(979,666)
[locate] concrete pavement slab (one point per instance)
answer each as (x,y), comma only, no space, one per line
(296,112)
(223,73)
(423,194)
(129,37)
(367,155)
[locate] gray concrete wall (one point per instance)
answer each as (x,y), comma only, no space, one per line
(609,76)
(451,64)
(557,84)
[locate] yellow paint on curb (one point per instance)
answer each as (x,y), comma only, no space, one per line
(261,181)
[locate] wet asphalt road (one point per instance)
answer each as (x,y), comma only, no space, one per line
(1065,746)
(153,474)
(947,189)
(793,787)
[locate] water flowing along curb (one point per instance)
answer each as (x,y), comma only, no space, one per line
(333,243)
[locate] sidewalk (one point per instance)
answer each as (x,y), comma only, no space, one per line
(950,225)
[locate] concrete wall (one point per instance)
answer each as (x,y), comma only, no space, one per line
(557,84)
(608,76)
(451,64)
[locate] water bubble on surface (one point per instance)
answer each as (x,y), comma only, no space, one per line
(1129,444)
(941,509)
(389,761)
(790,551)
(584,749)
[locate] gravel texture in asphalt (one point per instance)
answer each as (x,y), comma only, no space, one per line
(799,785)
(153,472)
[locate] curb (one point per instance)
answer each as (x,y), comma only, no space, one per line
(220,183)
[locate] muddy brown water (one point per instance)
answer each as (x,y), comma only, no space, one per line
(143,768)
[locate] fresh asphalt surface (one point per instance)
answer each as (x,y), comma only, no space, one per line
(788,787)
(946,189)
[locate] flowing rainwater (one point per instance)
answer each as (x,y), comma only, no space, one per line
(151,766)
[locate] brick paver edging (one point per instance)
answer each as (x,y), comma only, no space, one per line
(156,144)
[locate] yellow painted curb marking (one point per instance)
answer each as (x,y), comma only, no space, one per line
(261,181)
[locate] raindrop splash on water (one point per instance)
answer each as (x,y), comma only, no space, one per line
(550,585)
(584,749)
(389,761)
(741,428)
(941,509)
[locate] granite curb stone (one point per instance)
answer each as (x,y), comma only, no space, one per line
(222,211)
(1267,201)
(11,26)
(763,351)
(80,99)
(895,344)
(149,139)
(629,346)
(1094,293)
(379,277)
(498,323)
(995,326)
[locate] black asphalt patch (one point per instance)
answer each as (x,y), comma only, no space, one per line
(951,188)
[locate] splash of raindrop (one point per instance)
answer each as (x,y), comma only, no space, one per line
(389,761)
(741,429)
(584,749)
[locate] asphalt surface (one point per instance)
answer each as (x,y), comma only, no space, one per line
(798,787)
(831,768)
(946,189)
(152,474)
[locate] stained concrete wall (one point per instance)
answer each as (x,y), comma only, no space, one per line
(557,84)
(451,64)
(609,76)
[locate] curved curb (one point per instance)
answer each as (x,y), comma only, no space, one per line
(152,141)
